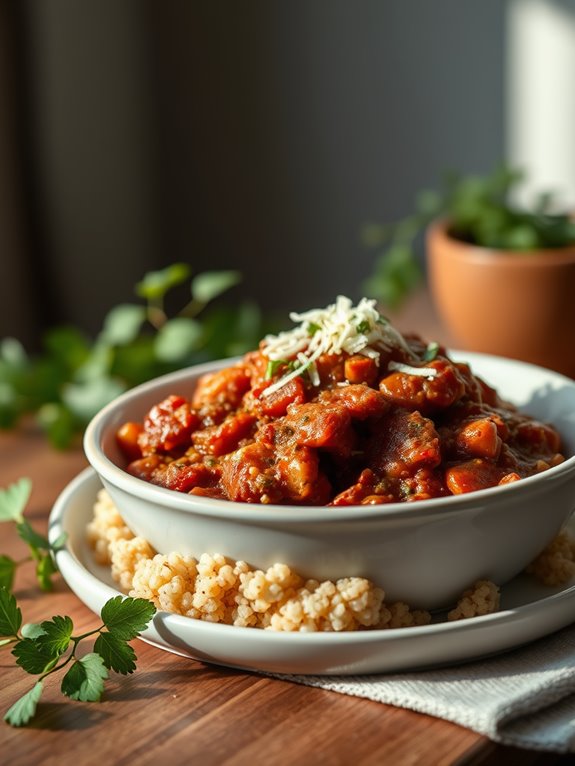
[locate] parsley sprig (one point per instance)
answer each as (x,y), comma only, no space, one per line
(50,646)
(13,501)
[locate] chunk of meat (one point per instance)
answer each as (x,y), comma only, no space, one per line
(415,392)
(360,369)
(225,437)
(249,475)
(167,426)
(183,476)
(222,389)
(403,443)
(360,401)
(300,477)
(473,475)
(275,405)
(318,425)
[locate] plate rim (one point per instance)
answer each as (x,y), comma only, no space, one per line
(71,564)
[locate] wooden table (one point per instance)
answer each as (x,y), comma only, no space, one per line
(177,711)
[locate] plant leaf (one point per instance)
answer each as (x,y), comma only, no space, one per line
(31,537)
(68,346)
(122,324)
(13,354)
(14,499)
(116,653)
(32,630)
(156,284)
(177,338)
(127,617)
(86,399)
(58,423)
(84,680)
(24,709)
(7,571)
(10,614)
(34,657)
(207,286)
(56,634)
(45,568)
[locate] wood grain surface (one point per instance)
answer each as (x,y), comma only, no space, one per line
(177,711)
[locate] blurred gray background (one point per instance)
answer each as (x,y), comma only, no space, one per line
(256,136)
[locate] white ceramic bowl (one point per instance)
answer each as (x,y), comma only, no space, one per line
(425,553)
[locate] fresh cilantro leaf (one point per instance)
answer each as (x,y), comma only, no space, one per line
(56,634)
(45,568)
(122,324)
(126,617)
(85,679)
(156,284)
(34,657)
(58,424)
(177,338)
(24,709)
(13,500)
(116,653)
(208,285)
(431,351)
(7,570)
(30,536)
(32,630)
(10,614)
(85,398)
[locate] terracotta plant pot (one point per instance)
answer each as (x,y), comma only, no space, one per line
(514,304)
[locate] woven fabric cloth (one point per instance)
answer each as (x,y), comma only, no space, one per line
(524,698)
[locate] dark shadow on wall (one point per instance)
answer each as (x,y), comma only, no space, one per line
(257,138)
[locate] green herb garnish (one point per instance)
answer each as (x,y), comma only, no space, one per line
(312,328)
(13,501)
(431,351)
(50,647)
(273,366)
(363,327)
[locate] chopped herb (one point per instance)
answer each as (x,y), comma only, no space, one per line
(431,351)
(363,327)
(312,328)
(272,367)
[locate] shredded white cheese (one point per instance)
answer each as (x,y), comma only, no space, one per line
(339,328)
(425,372)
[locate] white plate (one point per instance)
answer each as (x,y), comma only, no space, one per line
(529,611)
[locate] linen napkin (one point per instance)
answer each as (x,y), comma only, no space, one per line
(524,698)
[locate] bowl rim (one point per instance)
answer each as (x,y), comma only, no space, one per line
(116,476)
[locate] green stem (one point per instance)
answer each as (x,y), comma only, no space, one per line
(192,309)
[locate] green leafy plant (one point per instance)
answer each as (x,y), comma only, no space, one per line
(50,647)
(13,501)
(479,210)
(74,377)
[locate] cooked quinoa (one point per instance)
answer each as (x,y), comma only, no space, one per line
(105,527)
(217,589)
(482,598)
(556,564)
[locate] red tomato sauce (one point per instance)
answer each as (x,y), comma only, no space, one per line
(359,434)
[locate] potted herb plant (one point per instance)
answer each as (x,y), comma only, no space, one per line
(502,278)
